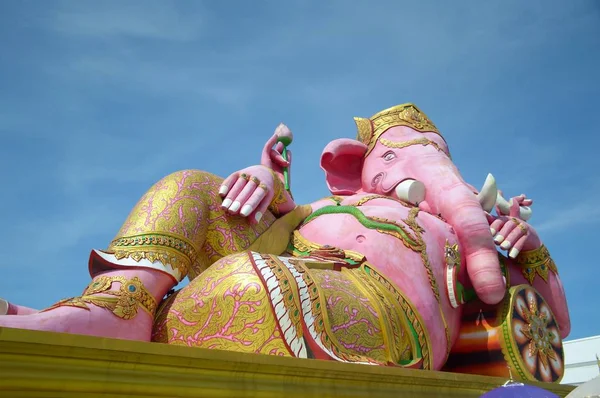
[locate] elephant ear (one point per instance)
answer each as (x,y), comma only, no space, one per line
(342,161)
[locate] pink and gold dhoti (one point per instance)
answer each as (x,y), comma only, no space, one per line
(301,307)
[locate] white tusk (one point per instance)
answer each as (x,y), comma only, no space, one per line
(411,191)
(489,192)
(525,212)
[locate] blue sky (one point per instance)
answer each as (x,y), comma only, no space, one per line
(98,100)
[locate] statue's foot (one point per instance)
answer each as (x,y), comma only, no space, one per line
(7,308)
(118,304)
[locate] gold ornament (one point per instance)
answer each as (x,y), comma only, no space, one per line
(124,302)
(536,262)
(419,141)
(369,130)
(279,196)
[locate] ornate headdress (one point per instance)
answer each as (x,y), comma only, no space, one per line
(408,115)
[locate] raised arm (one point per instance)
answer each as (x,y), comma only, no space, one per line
(252,191)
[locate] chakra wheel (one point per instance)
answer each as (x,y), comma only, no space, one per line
(518,337)
(531,341)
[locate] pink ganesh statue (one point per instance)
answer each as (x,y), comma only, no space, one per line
(399,267)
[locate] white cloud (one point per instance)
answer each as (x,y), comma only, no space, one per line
(570,215)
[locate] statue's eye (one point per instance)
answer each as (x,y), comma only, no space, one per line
(389,155)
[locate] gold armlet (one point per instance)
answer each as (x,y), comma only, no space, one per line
(278,196)
(536,262)
(124,302)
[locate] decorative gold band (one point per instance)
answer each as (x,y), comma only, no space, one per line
(369,130)
(418,141)
(536,262)
(278,195)
(168,249)
(303,247)
(124,302)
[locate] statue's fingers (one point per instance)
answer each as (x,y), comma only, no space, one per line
(244,194)
(515,209)
(228,183)
(259,201)
(278,159)
(497,224)
(518,246)
(504,231)
(279,147)
(527,202)
(234,191)
(513,237)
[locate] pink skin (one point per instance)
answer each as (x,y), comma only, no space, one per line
(98,321)
(393,259)
(552,290)
(14,309)
(446,194)
(507,233)
(244,196)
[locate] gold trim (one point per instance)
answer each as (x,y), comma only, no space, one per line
(123,303)
(369,130)
(279,197)
(418,141)
(69,366)
(536,262)
(512,355)
(171,249)
(411,313)
(304,245)
(393,319)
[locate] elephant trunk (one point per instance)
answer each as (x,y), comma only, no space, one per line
(460,207)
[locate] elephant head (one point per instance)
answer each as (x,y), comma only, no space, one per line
(400,153)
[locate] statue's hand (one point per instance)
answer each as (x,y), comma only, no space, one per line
(272,155)
(248,192)
(512,233)
(521,200)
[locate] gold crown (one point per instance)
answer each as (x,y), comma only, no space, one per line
(408,115)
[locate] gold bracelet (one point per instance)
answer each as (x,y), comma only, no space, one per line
(536,262)
(278,194)
(124,302)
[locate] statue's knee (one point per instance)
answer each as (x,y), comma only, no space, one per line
(191,178)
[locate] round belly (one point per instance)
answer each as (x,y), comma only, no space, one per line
(399,255)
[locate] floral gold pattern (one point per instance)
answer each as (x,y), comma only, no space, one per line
(408,309)
(531,341)
(405,144)
(279,196)
(369,198)
(124,302)
(300,246)
(536,262)
(227,307)
(369,130)
(260,303)
(185,206)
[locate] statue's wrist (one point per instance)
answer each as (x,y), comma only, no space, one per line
(282,201)
(536,262)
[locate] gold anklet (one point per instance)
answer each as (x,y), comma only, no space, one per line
(124,304)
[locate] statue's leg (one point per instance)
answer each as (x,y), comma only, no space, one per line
(276,305)
(177,228)
(227,307)
(7,308)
